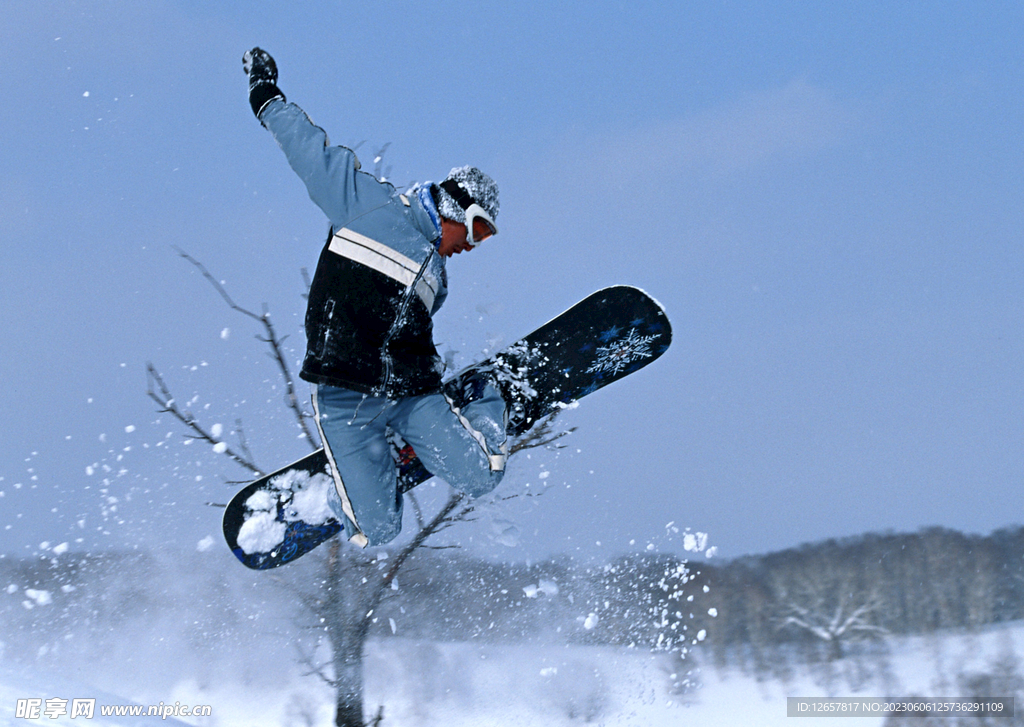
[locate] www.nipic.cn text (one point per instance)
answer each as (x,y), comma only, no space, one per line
(55,707)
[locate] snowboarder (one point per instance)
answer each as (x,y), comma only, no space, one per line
(370,355)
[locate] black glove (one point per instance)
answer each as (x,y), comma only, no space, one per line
(262,72)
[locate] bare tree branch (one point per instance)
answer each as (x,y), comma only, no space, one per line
(307,658)
(421,536)
(541,435)
(164,398)
(378,161)
(243,444)
(271,339)
(417,510)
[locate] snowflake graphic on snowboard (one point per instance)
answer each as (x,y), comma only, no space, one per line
(614,357)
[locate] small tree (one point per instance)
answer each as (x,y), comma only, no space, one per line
(352,584)
(832,610)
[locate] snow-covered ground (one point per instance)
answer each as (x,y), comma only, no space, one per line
(917,666)
(430,684)
(21,685)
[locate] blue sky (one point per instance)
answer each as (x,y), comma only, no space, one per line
(826,198)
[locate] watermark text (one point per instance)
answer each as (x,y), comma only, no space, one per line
(54,707)
(908,707)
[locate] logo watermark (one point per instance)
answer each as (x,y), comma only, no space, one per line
(39,708)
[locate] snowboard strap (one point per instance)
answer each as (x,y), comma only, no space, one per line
(360,248)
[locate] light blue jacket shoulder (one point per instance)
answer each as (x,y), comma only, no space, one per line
(351,198)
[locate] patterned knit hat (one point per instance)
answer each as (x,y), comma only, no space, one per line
(478,185)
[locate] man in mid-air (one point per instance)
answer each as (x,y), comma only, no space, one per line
(370,354)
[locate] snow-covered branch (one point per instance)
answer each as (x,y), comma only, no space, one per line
(832,610)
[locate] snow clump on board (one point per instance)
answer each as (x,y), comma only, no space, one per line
(302,497)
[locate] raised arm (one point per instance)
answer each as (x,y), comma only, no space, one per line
(330,173)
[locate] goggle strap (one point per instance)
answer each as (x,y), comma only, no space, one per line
(462,198)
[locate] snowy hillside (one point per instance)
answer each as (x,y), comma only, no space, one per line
(461,684)
(428,684)
(460,642)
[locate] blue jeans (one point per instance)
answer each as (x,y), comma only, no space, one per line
(467,448)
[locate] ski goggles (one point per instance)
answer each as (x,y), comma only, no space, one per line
(479,225)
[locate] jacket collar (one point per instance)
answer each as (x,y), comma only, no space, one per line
(426,198)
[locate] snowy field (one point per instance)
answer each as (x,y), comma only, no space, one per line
(427,684)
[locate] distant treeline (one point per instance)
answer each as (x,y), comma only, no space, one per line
(835,592)
(877,583)
(830,595)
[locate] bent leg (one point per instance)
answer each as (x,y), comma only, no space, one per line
(353,430)
(466,447)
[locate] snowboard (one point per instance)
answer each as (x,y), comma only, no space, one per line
(608,335)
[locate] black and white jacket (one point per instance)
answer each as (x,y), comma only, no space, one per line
(379,278)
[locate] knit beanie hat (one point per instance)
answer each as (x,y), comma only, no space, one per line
(478,185)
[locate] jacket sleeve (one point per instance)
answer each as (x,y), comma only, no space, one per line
(330,173)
